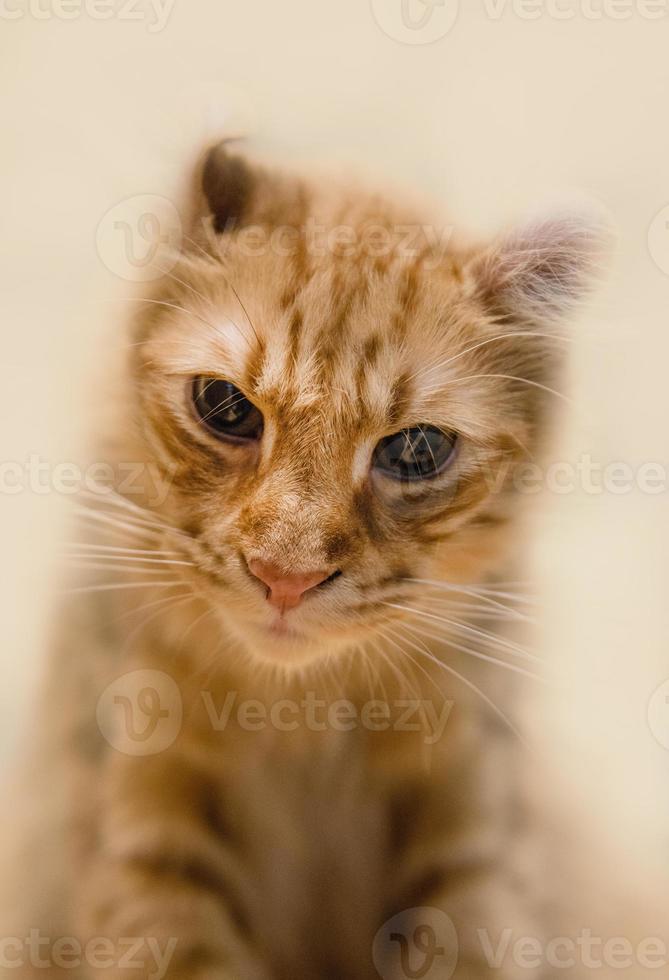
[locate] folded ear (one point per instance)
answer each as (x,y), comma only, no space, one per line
(228,183)
(239,192)
(542,270)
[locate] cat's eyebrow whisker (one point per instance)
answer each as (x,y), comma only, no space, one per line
(230,286)
(162,302)
(423,650)
(505,377)
(209,301)
(205,254)
(490,340)
(182,282)
(446,641)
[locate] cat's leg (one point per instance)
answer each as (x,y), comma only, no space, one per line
(462,921)
(466,883)
(166,894)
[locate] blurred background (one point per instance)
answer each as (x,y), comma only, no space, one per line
(493,109)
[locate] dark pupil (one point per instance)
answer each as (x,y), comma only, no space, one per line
(414,454)
(223,408)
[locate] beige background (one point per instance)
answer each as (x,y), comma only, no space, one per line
(493,119)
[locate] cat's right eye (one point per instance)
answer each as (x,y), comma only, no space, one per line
(420,453)
(225,410)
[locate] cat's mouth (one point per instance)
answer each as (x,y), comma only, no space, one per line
(280,627)
(287,638)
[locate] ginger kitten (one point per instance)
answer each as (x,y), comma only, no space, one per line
(306,587)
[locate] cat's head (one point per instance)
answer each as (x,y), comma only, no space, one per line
(335,394)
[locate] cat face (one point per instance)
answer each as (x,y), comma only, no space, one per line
(336,423)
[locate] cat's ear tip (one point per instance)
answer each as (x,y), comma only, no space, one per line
(227,182)
(220,149)
(583,228)
(549,262)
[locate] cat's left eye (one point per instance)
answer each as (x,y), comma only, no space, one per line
(419,453)
(225,410)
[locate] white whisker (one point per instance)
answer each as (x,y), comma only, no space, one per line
(475,653)
(484,697)
(491,340)
(464,628)
(116,524)
(110,587)
(104,567)
(466,590)
(113,549)
(111,559)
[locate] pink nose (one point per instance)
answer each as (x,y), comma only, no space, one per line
(285,588)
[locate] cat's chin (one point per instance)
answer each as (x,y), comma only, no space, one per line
(282,644)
